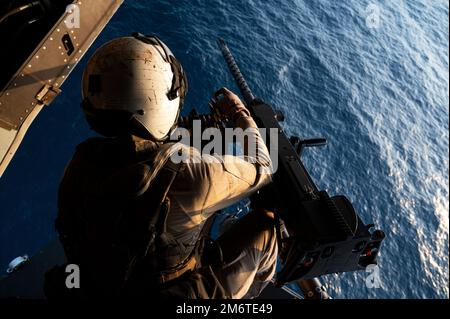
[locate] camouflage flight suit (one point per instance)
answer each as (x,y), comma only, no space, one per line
(204,185)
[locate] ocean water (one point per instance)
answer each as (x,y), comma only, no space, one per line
(371,76)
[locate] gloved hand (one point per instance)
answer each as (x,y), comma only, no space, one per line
(230,105)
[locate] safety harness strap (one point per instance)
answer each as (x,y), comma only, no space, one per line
(145,256)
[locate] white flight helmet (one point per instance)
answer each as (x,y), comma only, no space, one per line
(134,85)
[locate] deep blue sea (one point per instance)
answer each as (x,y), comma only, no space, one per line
(371,76)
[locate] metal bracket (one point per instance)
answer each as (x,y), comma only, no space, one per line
(47,94)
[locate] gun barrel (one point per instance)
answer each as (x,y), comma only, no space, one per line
(236,72)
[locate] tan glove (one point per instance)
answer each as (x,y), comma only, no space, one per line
(230,105)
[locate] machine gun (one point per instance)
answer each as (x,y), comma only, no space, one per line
(322,234)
